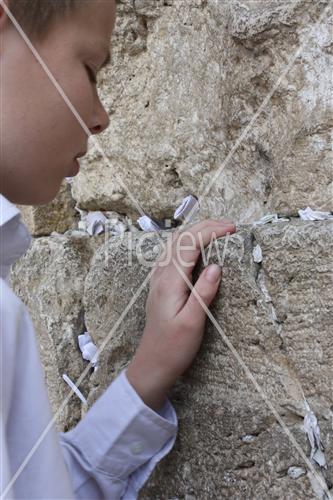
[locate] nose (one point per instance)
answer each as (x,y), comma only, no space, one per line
(101,120)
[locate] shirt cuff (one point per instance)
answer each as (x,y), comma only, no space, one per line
(138,478)
(120,434)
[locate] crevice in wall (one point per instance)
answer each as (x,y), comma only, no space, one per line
(259,277)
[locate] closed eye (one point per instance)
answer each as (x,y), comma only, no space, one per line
(91,74)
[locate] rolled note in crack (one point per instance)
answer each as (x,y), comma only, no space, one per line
(96,222)
(188,208)
(311,428)
(295,472)
(88,349)
(147,224)
(270,218)
(309,214)
(257,254)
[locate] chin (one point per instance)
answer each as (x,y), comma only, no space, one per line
(42,197)
(46,199)
(35,196)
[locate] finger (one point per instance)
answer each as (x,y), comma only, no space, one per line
(190,243)
(183,249)
(203,292)
(201,228)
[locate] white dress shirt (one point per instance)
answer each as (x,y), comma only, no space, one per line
(110,453)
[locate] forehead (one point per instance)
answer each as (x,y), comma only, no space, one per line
(96,18)
(92,24)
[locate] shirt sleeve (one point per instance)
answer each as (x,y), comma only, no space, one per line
(113,450)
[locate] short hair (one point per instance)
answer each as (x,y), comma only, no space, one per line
(36,16)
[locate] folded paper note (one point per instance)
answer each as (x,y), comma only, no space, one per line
(309,214)
(270,218)
(88,349)
(187,209)
(295,472)
(147,224)
(257,254)
(311,427)
(95,223)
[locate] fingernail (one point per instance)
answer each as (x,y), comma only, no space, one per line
(213,273)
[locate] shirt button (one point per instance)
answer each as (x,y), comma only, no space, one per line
(136,448)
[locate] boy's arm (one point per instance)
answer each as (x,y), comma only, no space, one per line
(175,318)
(114,448)
(109,454)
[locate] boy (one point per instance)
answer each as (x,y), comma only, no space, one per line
(112,451)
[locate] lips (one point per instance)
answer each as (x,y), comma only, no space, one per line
(80,155)
(74,169)
(76,165)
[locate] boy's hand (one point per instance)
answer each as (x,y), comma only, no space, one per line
(175,319)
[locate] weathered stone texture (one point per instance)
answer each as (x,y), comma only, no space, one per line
(50,281)
(229,100)
(276,314)
(187,94)
(59,215)
(286,344)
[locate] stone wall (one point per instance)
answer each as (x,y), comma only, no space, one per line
(277,315)
(187,93)
(230,101)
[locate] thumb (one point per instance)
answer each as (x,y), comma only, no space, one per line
(206,288)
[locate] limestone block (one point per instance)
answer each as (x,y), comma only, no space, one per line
(229,101)
(50,281)
(59,215)
(277,315)
(273,327)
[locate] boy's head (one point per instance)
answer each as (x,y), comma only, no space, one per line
(40,136)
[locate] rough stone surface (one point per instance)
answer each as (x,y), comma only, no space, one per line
(277,315)
(58,216)
(186,94)
(229,100)
(50,281)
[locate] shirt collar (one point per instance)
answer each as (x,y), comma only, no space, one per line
(14,236)
(7,210)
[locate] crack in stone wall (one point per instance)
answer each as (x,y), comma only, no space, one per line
(210,459)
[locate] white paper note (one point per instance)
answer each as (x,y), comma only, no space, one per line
(295,472)
(88,349)
(257,254)
(147,224)
(311,427)
(74,388)
(309,214)
(187,209)
(96,222)
(270,218)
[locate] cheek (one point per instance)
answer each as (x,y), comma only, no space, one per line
(80,93)
(68,135)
